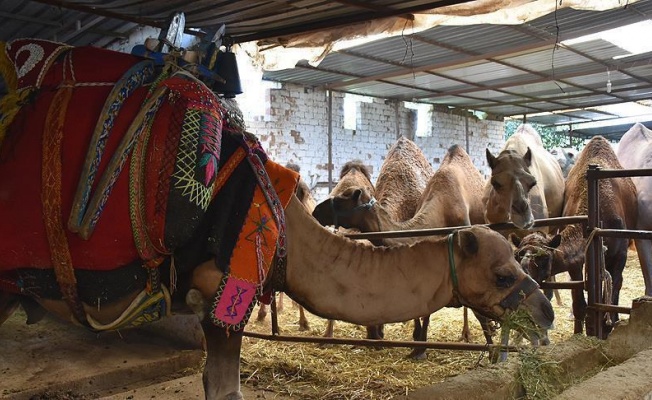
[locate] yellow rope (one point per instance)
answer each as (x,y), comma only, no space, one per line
(12,102)
(7,69)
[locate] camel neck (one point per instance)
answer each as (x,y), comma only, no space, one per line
(335,277)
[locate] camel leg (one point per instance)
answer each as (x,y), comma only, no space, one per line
(420,334)
(579,302)
(262,312)
(8,304)
(375,332)
(466,332)
(644,251)
(303,321)
(329,328)
(550,292)
(221,375)
(279,305)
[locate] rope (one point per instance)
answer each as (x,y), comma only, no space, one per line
(451,262)
(607,280)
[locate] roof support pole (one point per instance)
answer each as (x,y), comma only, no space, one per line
(329,95)
(466,132)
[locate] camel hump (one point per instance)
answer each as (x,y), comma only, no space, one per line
(529,131)
(455,149)
(355,165)
(642,130)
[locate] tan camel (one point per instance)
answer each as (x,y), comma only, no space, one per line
(526,181)
(349,281)
(452,197)
(634,151)
(543,255)
(401,181)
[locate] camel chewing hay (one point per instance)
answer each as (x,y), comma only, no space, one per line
(309,371)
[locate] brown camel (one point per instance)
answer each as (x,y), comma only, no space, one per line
(543,255)
(453,197)
(526,181)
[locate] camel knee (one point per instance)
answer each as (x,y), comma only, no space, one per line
(196,303)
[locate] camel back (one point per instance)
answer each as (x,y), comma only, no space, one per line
(402,179)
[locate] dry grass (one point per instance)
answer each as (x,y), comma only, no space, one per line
(310,371)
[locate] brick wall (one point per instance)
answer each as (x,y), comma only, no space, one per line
(295,129)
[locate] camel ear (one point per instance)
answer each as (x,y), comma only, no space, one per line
(515,239)
(555,241)
(528,157)
(491,160)
(468,243)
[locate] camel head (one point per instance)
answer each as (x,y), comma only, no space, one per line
(535,253)
(350,203)
(506,195)
(491,281)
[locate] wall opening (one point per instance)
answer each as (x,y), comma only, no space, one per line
(423,125)
(351,109)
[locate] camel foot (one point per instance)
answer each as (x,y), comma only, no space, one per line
(304,326)
(261,316)
(418,354)
(465,337)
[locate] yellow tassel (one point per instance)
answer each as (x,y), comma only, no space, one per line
(7,69)
(10,105)
(12,102)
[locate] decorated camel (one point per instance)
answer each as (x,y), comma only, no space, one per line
(634,151)
(543,255)
(452,197)
(201,219)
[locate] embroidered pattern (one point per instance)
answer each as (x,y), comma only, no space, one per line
(197,126)
(239,300)
(36,54)
(134,78)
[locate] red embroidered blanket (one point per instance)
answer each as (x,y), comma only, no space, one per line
(174,163)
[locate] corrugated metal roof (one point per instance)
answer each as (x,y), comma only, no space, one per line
(505,70)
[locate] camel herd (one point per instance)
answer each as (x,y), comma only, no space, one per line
(527,182)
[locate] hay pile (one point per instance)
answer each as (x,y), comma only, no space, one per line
(309,371)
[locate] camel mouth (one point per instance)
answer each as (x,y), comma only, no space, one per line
(522,221)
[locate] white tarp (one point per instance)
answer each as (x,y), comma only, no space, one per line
(285,52)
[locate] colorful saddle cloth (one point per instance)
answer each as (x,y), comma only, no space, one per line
(141,172)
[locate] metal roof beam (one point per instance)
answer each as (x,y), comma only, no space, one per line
(448,64)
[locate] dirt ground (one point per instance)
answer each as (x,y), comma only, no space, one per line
(51,360)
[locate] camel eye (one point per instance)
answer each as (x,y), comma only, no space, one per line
(496,184)
(505,281)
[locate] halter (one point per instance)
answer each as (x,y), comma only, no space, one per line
(345,213)
(524,288)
